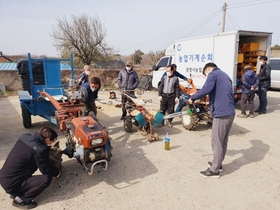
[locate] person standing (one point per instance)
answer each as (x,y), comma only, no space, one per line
(83,77)
(218,86)
(181,76)
(169,93)
(127,81)
(92,89)
(265,81)
(29,153)
(250,81)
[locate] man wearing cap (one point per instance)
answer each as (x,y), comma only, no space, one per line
(218,86)
(127,81)
(249,83)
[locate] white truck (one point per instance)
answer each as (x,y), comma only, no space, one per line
(230,51)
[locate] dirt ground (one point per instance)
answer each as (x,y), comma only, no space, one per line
(142,175)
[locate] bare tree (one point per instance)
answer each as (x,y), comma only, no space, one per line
(83,36)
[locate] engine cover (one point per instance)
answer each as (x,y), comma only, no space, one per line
(88,132)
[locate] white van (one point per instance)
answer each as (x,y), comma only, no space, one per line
(274,64)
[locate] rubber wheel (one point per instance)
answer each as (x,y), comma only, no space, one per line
(189,122)
(26,116)
(127,124)
(84,94)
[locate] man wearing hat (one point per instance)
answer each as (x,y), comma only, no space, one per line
(127,81)
(249,83)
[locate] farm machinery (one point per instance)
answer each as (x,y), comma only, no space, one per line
(191,114)
(44,95)
(140,117)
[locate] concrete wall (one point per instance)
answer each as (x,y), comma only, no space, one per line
(275,53)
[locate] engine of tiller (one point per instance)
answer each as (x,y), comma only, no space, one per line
(88,142)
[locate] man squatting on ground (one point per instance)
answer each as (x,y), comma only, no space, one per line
(218,86)
(169,92)
(29,153)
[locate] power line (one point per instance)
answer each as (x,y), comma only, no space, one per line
(215,13)
(245,4)
(232,21)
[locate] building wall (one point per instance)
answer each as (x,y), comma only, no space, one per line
(275,53)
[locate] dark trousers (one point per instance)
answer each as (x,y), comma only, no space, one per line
(31,187)
(262,92)
(91,107)
(168,103)
(220,131)
(250,98)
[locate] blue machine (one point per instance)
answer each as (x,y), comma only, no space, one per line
(41,75)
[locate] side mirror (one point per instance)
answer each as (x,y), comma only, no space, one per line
(155,68)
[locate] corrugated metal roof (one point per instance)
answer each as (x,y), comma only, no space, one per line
(8,66)
(13,66)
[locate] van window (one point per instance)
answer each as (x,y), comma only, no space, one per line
(163,62)
(274,64)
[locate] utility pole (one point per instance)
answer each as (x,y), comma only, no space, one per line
(224,17)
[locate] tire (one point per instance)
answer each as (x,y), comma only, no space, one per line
(189,122)
(26,116)
(127,124)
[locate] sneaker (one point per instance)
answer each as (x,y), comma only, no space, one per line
(220,169)
(209,173)
(169,124)
(251,115)
(122,118)
(262,112)
(24,205)
(257,110)
(242,115)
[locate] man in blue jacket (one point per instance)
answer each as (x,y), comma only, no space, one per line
(249,83)
(218,86)
(92,87)
(29,153)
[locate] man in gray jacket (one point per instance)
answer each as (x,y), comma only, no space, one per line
(127,81)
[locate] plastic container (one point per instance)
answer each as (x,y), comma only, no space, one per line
(167,142)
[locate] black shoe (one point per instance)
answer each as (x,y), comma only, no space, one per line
(262,112)
(23,205)
(220,169)
(209,173)
(13,196)
(257,110)
(122,118)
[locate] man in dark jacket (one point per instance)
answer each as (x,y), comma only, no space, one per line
(92,89)
(83,77)
(250,82)
(127,81)
(28,154)
(219,87)
(168,93)
(265,80)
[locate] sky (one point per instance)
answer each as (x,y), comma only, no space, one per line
(147,25)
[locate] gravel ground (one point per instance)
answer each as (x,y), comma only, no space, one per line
(142,175)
